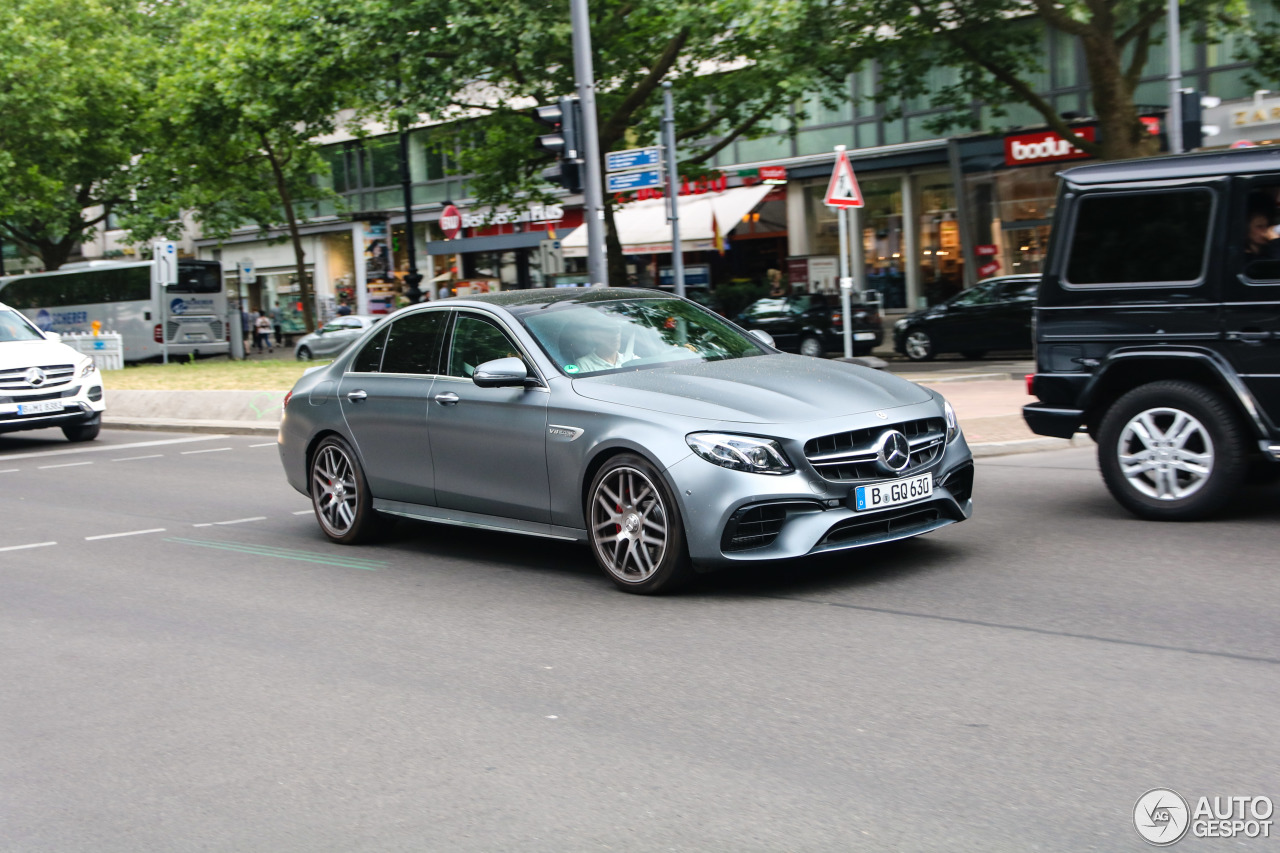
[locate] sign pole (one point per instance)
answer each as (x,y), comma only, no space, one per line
(673,189)
(593,200)
(846,283)
(842,194)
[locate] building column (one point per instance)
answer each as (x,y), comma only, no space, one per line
(797,221)
(362,283)
(910,243)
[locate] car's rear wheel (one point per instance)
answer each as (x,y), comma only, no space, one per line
(812,347)
(634,526)
(1171,451)
(340,495)
(304,354)
(82,432)
(918,345)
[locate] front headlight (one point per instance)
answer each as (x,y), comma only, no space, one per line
(901,324)
(86,367)
(953,424)
(740,452)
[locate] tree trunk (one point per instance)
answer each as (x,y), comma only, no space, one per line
(295,236)
(617,262)
(1121,134)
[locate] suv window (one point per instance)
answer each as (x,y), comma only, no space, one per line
(1261,246)
(413,343)
(1154,237)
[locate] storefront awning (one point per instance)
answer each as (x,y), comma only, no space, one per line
(643,228)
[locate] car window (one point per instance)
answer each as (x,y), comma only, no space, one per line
(475,341)
(1137,238)
(979,294)
(369,359)
(765,308)
(1261,246)
(14,327)
(413,343)
(333,326)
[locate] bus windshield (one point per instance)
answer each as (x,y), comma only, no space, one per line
(197,278)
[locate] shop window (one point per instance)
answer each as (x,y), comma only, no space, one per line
(383,157)
(1066,69)
(765,148)
(824,140)
(414,343)
(1140,238)
(819,113)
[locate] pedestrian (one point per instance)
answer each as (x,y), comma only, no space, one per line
(246,327)
(277,324)
(263,327)
(343,309)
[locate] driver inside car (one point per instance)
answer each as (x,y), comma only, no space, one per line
(599,345)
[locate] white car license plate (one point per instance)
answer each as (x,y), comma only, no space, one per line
(41,408)
(892,492)
(864,336)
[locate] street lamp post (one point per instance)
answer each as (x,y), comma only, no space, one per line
(414,278)
(593,200)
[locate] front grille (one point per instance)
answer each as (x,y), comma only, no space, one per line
(14,378)
(888,524)
(755,527)
(851,456)
(33,398)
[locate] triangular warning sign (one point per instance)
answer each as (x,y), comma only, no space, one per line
(843,190)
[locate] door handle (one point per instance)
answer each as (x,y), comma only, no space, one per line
(1250,337)
(356,396)
(448,399)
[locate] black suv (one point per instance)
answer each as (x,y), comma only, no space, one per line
(1157,326)
(811,324)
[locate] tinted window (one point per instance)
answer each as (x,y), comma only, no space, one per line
(369,359)
(979,294)
(414,343)
(198,278)
(1140,238)
(476,341)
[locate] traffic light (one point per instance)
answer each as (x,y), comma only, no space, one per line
(566,117)
(1192,135)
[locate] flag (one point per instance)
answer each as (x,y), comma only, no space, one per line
(717,239)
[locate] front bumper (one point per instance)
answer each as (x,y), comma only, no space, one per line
(81,405)
(799,514)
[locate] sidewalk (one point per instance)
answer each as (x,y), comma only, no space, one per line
(990,411)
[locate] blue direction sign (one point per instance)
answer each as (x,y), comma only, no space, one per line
(626,181)
(618,161)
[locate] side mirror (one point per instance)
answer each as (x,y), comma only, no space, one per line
(763,337)
(501,373)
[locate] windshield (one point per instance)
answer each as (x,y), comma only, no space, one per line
(14,327)
(631,334)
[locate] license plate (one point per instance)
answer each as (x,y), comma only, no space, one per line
(892,492)
(42,408)
(864,336)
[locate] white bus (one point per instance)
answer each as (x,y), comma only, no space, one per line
(191,316)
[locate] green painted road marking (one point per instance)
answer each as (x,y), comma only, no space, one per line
(284,553)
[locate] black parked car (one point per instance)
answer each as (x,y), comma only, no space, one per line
(994,314)
(811,324)
(1158,326)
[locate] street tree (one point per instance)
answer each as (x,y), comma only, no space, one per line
(250,86)
(997,49)
(76,77)
(738,68)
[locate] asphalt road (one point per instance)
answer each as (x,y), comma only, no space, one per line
(222,678)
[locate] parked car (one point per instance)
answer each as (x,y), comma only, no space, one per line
(994,314)
(658,433)
(1158,326)
(333,337)
(699,293)
(812,324)
(45,383)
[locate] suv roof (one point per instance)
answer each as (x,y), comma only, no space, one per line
(1243,161)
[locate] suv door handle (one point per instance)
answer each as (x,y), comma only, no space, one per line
(356,396)
(1250,337)
(447,399)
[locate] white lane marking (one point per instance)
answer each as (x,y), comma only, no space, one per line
(32,545)
(210,450)
(132,458)
(65,465)
(114,447)
(268,444)
(243,520)
(304,512)
(10,471)
(205,524)
(128,533)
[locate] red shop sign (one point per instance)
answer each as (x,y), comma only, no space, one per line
(451,222)
(986,250)
(989,269)
(1044,146)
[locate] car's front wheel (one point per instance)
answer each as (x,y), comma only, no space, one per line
(82,432)
(634,526)
(340,495)
(304,354)
(918,345)
(1171,451)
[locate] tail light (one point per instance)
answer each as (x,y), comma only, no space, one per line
(285,404)
(158,334)
(1031,381)
(836,319)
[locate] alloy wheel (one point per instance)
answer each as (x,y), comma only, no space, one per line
(919,346)
(1165,453)
(334,490)
(629,525)
(812,347)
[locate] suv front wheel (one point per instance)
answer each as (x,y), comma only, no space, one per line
(1171,451)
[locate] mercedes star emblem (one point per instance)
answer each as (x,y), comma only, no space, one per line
(893,451)
(35,377)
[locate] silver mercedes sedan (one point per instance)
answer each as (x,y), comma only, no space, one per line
(665,437)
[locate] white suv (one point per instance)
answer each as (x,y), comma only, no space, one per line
(44,383)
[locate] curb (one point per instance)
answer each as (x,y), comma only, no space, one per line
(1028,445)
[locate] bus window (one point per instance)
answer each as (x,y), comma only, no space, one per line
(198,278)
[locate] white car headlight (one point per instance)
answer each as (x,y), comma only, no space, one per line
(953,423)
(740,452)
(901,324)
(86,367)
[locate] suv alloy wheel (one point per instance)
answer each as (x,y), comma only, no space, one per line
(1171,451)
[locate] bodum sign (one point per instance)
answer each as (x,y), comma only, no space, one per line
(1044,146)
